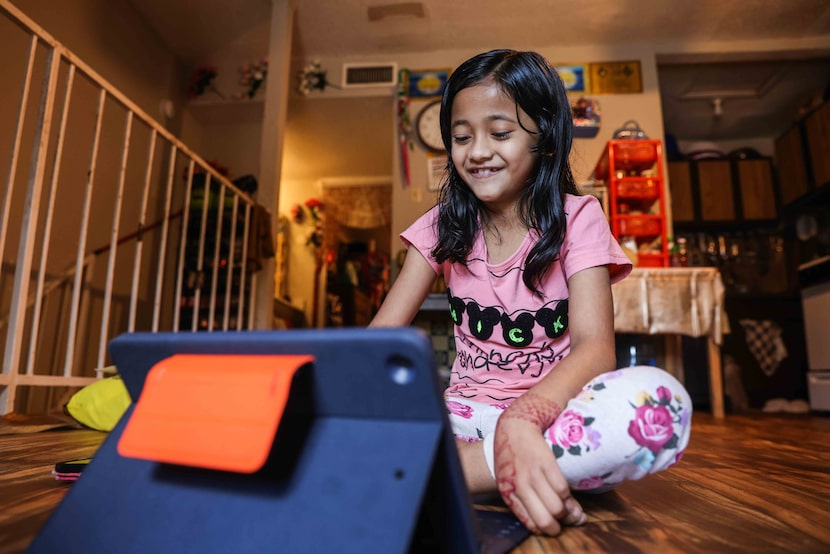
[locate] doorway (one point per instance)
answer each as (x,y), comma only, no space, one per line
(354,270)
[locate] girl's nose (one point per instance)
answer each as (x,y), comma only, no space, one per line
(480,149)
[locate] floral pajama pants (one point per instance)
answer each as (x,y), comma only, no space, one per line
(624,424)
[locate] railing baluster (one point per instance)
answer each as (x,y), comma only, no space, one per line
(79,259)
(177,302)
(18,134)
(231,251)
(197,293)
(217,248)
(113,252)
(28,227)
(246,228)
(47,224)
(139,240)
(165,226)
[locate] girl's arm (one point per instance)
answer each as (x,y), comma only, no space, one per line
(527,474)
(407,293)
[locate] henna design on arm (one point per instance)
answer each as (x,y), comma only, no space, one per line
(534,408)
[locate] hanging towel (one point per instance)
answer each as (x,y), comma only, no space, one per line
(763,338)
(260,238)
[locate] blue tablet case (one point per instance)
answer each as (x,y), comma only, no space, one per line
(363,461)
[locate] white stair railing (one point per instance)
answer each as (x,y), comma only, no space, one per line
(188,272)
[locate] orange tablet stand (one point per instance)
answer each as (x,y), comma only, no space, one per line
(211,411)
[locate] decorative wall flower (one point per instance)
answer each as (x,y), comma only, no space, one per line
(311,210)
(252,77)
(315,210)
(202,81)
(312,77)
(297,214)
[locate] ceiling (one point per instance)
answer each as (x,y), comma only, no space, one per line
(759,95)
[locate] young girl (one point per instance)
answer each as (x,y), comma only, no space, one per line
(529,264)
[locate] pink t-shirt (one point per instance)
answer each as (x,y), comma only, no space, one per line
(507,338)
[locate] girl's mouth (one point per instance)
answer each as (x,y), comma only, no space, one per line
(483,172)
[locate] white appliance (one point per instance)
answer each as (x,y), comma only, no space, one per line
(814,278)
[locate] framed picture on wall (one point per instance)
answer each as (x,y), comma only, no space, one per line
(573,77)
(436,170)
(427,84)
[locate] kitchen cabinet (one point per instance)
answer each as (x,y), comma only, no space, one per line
(723,191)
(633,172)
(757,189)
(792,164)
(802,154)
(817,126)
(682,194)
(717,194)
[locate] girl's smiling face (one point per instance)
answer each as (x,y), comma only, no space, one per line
(491,145)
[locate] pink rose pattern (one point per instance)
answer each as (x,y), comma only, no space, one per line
(652,429)
(654,421)
(570,433)
(459,409)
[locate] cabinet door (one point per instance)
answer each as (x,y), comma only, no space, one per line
(680,182)
(818,138)
(792,169)
(757,189)
(717,202)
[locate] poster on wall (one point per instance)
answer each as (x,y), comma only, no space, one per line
(616,77)
(436,169)
(573,77)
(427,84)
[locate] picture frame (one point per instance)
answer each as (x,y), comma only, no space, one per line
(436,171)
(574,77)
(427,84)
(621,77)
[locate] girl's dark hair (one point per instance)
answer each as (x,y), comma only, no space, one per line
(528,79)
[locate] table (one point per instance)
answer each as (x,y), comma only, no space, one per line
(676,301)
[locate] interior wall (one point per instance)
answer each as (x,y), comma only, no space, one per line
(116,42)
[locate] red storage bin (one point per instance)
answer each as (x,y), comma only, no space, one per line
(634,155)
(638,188)
(639,226)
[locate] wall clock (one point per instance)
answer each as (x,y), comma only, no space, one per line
(428,127)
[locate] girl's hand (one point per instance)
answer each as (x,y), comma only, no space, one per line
(527,474)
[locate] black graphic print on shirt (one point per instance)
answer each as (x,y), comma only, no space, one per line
(518,331)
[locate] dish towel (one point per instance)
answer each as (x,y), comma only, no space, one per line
(763,338)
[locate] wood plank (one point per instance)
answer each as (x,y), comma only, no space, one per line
(747,483)
(717,202)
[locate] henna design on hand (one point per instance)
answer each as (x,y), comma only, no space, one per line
(534,408)
(506,480)
(541,412)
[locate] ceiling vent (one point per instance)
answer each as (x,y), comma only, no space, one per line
(361,75)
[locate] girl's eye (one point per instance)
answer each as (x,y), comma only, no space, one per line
(502,136)
(460,139)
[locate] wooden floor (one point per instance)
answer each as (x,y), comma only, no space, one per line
(751,483)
